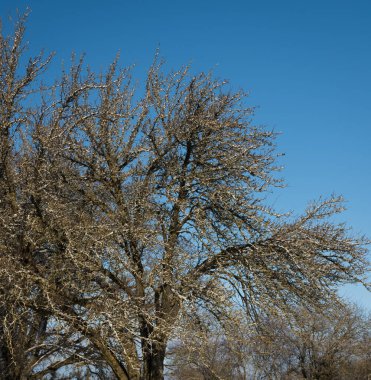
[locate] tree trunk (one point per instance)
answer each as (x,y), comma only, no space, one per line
(153,368)
(167,308)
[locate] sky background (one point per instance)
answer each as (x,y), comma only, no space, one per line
(305,64)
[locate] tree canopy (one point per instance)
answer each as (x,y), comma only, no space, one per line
(125,217)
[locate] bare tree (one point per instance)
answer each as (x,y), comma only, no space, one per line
(33,342)
(210,353)
(330,345)
(123,217)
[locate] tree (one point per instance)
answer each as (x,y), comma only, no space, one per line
(330,345)
(208,353)
(31,337)
(124,217)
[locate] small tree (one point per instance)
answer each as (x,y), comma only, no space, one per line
(330,345)
(124,216)
(208,353)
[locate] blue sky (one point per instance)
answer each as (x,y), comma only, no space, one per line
(306,65)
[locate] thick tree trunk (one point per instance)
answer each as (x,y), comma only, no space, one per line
(153,368)
(167,309)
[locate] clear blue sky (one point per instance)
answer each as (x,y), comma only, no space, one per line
(306,64)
